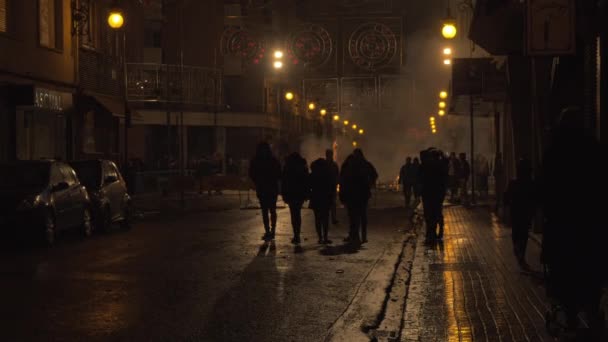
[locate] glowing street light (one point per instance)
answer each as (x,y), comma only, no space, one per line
(355,126)
(277,64)
(354,144)
(361,131)
(441,112)
(312,106)
(447,51)
(116,19)
(345,122)
(278,54)
(443,94)
(449,30)
(323,112)
(434,131)
(336,117)
(289,96)
(447,61)
(442,105)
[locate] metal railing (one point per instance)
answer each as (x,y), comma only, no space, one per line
(150,82)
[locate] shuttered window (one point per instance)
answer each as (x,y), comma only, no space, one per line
(3,19)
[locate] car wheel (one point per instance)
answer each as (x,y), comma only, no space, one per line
(87,226)
(126,216)
(49,232)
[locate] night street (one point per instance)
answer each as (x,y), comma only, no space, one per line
(203,277)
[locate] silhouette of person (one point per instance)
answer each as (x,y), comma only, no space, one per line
(295,190)
(356,180)
(433,174)
(521,198)
(415,173)
(463,178)
(335,177)
(453,173)
(406,181)
(574,233)
(265,172)
(322,196)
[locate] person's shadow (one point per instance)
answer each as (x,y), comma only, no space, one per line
(249,310)
(347,248)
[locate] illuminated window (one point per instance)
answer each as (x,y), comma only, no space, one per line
(3,25)
(49,20)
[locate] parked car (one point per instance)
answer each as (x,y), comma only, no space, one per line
(107,189)
(42,198)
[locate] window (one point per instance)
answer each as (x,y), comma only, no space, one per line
(89,33)
(3,19)
(49,23)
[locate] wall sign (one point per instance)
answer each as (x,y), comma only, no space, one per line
(48,99)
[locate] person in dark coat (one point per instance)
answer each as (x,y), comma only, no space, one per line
(265,172)
(407,180)
(357,178)
(322,197)
(434,177)
(295,189)
(574,232)
(335,177)
(521,198)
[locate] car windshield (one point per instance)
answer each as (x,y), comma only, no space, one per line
(26,175)
(89,173)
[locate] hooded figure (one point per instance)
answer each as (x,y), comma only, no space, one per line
(322,197)
(295,190)
(357,178)
(265,172)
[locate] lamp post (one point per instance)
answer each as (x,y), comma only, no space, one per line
(116,22)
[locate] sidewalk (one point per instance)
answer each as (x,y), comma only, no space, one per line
(470,288)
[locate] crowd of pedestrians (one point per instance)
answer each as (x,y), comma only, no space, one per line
(319,185)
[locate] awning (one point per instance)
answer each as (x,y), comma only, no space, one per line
(109,104)
(498,26)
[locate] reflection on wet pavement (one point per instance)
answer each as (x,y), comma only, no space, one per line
(469,288)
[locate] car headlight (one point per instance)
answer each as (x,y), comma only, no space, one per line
(30,203)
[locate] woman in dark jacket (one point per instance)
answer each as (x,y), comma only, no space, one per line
(295,190)
(323,192)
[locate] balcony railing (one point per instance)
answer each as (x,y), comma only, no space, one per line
(148,82)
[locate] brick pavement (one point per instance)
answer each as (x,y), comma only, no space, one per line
(470,288)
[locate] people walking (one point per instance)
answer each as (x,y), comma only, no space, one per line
(454,171)
(463,178)
(265,172)
(357,178)
(295,190)
(335,178)
(522,200)
(406,180)
(482,170)
(322,196)
(433,174)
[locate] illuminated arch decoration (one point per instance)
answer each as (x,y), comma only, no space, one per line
(311,45)
(372,46)
(237,41)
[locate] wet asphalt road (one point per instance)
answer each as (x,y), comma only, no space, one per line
(201,277)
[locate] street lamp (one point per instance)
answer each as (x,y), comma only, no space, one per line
(447,61)
(277,64)
(447,51)
(442,105)
(278,54)
(354,144)
(443,95)
(323,111)
(336,117)
(441,112)
(115,19)
(312,106)
(355,126)
(361,131)
(346,122)
(289,96)
(449,29)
